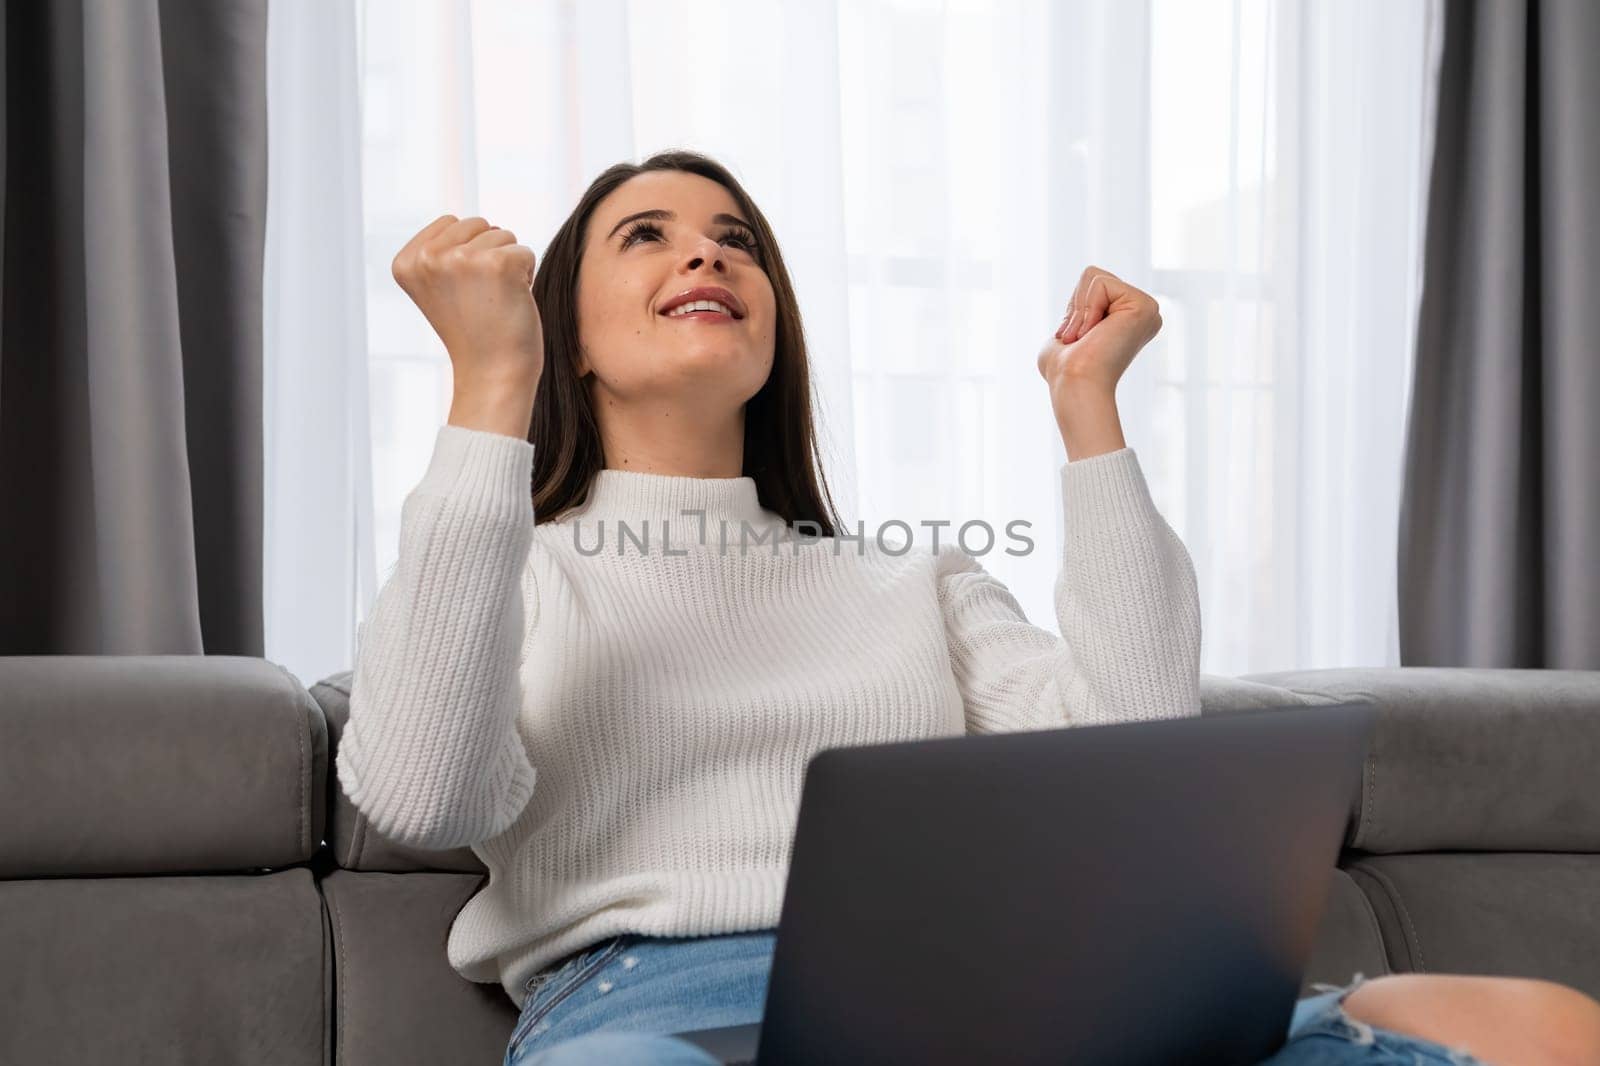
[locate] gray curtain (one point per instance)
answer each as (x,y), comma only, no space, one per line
(133,200)
(1500,520)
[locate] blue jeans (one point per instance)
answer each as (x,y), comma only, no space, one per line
(616,1002)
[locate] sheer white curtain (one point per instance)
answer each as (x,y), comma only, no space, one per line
(318,552)
(1275,157)
(939,174)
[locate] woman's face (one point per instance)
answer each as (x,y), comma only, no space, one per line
(631,271)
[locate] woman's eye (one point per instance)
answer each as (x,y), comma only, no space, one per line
(746,240)
(639,232)
(643,230)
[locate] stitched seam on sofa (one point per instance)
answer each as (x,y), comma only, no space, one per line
(303,837)
(302,831)
(341,977)
(1372,920)
(1366,827)
(1370,778)
(358,838)
(1392,953)
(1369,783)
(1406,924)
(330,979)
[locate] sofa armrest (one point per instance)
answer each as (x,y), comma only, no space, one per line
(123,764)
(1472,759)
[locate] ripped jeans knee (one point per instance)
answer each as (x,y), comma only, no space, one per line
(1323,1033)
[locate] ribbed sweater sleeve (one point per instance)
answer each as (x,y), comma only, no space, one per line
(1127,603)
(430,753)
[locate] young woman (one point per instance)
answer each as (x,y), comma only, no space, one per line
(610,688)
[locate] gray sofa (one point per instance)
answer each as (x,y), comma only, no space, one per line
(182,880)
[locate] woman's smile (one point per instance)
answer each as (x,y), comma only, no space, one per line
(701,316)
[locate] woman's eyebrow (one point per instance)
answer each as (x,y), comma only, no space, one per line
(668,216)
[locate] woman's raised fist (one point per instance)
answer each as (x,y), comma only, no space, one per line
(474,284)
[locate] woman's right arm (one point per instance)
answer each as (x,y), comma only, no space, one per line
(431,753)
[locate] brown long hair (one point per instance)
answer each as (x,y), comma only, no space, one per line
(780,446)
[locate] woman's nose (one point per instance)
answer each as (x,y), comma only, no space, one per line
(702,254)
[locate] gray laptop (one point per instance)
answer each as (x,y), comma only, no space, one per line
(1144,893)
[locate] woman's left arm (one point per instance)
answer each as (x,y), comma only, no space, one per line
(1125,595)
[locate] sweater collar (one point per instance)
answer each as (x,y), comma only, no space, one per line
(633,495)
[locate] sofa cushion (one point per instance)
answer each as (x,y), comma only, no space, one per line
(1472,759)
(357,846)
(195,969)
(1348,941)
(1223,695)
(399,1000)
(147,764)
(1515,915)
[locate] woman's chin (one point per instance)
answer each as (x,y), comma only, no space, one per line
(710,358)
(702,370)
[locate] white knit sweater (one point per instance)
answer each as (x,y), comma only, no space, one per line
(621,737)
